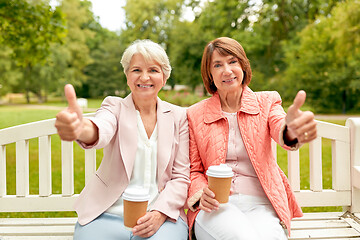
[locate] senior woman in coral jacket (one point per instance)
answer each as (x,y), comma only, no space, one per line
(235,126)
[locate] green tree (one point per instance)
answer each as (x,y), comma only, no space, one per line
(151,19)
(29,28)
(55,71)
(186,51)
(274,24)
(224,18)
(9,73)
(325,61)
(79,24)
(105,74)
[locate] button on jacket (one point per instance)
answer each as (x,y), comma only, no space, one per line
(261,117)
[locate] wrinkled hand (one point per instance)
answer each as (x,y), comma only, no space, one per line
(69,122)
(149,224)
(300,125)
(208,202)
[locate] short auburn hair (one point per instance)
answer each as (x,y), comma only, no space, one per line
(224,46)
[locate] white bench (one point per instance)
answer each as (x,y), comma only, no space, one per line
(345,190)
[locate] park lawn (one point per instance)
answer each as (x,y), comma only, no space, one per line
(10,116)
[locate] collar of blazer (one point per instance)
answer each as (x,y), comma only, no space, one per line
(128,134)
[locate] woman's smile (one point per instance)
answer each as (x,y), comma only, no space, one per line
(229,80)
(145,85)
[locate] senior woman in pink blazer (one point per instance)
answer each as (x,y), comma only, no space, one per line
(235,126)
(145,143)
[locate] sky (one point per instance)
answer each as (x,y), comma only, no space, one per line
(110,12)
(112,15)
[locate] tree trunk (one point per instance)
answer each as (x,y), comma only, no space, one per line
(27,78)
(344,102)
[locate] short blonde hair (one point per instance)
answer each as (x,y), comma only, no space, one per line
(151,51)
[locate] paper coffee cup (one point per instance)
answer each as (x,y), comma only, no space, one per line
(219,181)
(135,204)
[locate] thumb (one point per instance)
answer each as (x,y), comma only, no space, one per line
(71,99)
(298,102)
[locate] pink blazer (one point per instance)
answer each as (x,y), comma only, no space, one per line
(117,123)
(260,118)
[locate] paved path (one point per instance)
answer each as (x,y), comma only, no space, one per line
(46,107)
(334,117)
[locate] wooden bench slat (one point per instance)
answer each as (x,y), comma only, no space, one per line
(35,203)
(37,231)
(315,157)
(67,168)
(90,164)
(333,131)
(37,238)
(323,225)
(299,225)
(340,152)
(354,125)
(332,238)
(356,173)
(27,131)
(319,216)
(45,181)
(294,169)
(2,170)
(334,233)
(22,168)
(37,221)
(326,197)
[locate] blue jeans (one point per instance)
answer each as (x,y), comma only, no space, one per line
(111,227)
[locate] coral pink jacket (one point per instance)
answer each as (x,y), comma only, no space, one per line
(117,123)
(261,117)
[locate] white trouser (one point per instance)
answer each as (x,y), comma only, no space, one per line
(244,217)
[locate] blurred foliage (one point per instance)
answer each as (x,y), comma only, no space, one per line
(28,28)
(181,98)
(326,59)
(292,45)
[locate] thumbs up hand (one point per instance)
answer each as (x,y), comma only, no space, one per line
(70,95)
(69,122)
(300,125)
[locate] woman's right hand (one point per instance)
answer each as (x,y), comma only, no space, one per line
(71,125)
(69,121)
(208,202)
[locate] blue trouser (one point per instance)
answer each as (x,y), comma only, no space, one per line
(111,227)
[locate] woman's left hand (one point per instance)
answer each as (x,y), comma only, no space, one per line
(149,224)
(300,125)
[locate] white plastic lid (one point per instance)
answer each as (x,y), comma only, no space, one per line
(136,194)
(220,171)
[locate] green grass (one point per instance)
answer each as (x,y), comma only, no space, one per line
(14,115)
(92,103)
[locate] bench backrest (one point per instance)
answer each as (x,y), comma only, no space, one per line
(345,153)
(343,147)
(45,200)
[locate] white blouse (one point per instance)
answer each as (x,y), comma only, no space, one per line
(245,180)
(144,171)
